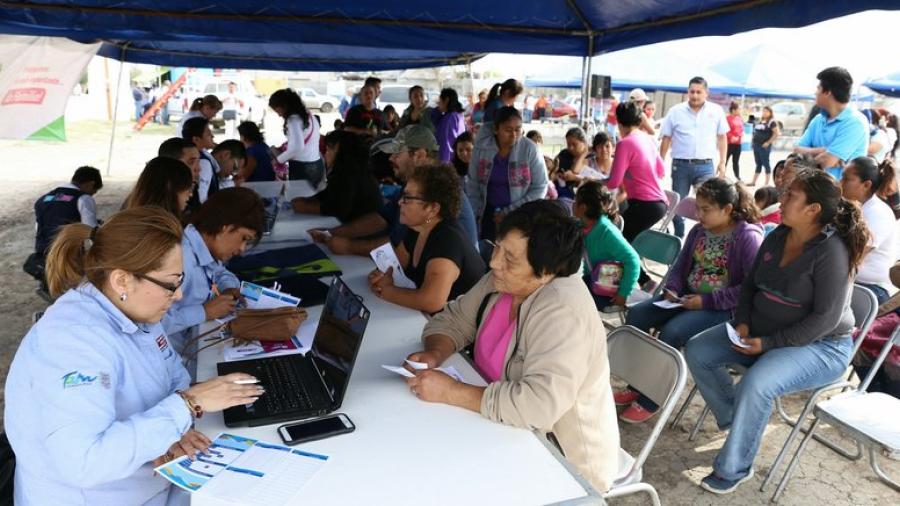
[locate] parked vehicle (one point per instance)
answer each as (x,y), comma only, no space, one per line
(316,100)
(559,109)
(791,116)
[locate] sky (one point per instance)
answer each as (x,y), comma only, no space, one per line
(865,43)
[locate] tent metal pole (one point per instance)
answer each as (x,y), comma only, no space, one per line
(585,84)
(587,100)
(112,136)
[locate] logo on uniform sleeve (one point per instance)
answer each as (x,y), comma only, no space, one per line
(77,379)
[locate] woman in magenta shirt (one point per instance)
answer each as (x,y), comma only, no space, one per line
(638,168)
(735,136)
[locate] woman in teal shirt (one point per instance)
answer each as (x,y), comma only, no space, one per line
(596,207)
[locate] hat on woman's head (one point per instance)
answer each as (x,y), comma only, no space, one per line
(637,95)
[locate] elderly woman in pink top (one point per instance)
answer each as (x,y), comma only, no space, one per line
(639,169)
(538,339)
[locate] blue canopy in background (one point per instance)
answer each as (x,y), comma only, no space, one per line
(764,71)
(655,67)
(887,85)
(462,27)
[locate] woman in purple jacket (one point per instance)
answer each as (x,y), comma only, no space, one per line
(706,279)
(450,123)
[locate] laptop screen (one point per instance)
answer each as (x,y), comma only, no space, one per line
(338,337)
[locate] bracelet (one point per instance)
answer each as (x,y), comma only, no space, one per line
(195,409)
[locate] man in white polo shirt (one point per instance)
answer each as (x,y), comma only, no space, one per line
(695,130)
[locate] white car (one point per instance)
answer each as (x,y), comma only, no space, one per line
(315,100)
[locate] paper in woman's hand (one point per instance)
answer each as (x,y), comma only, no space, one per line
(385,259)
(734,337)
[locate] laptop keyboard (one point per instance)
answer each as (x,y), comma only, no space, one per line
(286,383)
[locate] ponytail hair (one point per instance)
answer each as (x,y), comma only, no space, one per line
(721,193)
(867,169)
(598,201)
(135,240)
(207,100)
(498,89)
(820,188)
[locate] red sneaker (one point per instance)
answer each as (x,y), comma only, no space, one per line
(625,397)
(636,414)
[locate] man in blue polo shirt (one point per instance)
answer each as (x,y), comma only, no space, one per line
(839,133)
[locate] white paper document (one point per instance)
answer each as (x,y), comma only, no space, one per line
(667,304)
(260,297)
(385,259)
(402,371)
(734,337)
(243,471)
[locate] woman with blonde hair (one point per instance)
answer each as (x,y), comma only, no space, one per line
(95,396)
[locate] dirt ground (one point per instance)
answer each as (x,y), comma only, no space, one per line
(675,466)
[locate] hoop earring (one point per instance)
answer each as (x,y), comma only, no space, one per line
(123,297)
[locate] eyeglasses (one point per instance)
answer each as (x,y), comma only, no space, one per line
(169,287)
(406,198)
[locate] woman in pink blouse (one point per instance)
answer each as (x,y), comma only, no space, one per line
(638,168)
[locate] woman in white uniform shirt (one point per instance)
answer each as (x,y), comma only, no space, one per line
(302,130)
(222,228)
(96,396)
(862,180)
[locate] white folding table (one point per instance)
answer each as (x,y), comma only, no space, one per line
(404,450)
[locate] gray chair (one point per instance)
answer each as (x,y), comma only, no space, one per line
(871,419)
(673,198)
(659,372)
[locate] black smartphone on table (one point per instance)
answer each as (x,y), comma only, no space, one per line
(315,429)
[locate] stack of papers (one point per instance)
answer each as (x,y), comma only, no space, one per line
(245,471)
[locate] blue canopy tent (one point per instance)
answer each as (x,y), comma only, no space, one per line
(570,27)
(278,56)
(887,85)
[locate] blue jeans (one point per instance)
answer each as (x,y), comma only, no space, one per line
(761,156)
(881,294)
(684,176)
(676,327)
(746,407)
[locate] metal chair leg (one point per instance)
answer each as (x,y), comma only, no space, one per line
(683,408)
(699,423)
(797,427)
(794,461)
(779,407)
(873,460)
